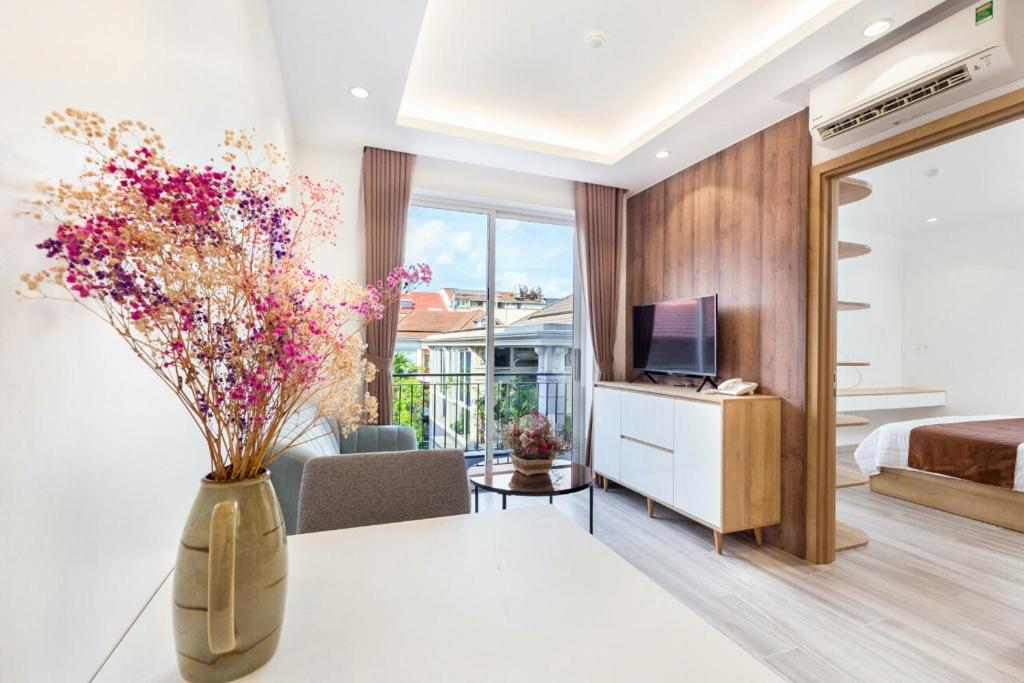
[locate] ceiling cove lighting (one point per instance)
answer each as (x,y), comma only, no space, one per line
(359,92)
(663,154)
(878,27)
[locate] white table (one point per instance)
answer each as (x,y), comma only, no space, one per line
(523,595)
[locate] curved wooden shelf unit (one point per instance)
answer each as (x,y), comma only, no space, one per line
(852,190)
(852,363)
(852,249)
(847,420)
(847,478)
(849,537)
(852,306)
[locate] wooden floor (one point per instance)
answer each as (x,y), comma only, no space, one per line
(933,597)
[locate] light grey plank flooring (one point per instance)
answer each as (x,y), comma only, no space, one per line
(933,597)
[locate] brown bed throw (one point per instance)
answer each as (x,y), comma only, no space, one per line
(984,451)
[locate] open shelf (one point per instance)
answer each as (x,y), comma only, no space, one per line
(852,306)
(847,478)
(852,363)
(888,398)
(852,249)
(849,537)
(845,420)
(852,190)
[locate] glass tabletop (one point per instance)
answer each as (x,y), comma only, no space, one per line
(564,477)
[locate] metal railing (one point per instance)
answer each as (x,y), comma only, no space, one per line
(447,409)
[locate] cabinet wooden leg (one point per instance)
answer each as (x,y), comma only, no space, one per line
(718,542)
(650,507)
(604,482)
(758,535)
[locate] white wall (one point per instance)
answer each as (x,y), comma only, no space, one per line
(498,187)
(348,259)
(945,314)
(962,301)
(99,463)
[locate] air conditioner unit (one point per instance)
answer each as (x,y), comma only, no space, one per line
(965,54)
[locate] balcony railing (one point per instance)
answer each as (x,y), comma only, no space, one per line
(447,409)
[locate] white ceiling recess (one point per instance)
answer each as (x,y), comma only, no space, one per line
(969,183)
(521,73)
(513,85)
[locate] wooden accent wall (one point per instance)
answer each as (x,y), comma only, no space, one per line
(736,224)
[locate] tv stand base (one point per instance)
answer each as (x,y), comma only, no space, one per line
(707,380)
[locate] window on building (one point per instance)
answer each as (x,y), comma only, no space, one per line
(525,359)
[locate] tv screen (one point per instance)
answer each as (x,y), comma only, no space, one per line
(677,337)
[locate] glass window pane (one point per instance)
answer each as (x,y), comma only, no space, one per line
(534,289)
(442,332)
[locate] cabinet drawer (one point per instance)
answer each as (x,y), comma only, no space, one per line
(646,469)
(647,418)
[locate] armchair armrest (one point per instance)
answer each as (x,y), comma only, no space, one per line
(286,477)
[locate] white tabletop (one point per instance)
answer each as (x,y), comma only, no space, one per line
(516,595)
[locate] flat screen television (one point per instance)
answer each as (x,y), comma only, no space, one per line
(677,337)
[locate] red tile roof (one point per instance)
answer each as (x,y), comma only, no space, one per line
(419,324)
(424,301)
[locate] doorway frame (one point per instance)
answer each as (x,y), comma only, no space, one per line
(822,288)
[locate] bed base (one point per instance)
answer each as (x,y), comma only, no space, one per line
(983,502)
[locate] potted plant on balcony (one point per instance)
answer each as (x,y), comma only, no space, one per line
(533,443)
(205,271)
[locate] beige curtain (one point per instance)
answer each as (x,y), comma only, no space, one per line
(387,186)
(599,234)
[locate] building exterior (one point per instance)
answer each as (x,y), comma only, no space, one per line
(533,360)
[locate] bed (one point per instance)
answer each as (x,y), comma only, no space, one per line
(888,456)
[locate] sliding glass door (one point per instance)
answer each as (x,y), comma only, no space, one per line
(492,337)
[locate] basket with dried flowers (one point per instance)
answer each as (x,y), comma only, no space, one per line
(534,443)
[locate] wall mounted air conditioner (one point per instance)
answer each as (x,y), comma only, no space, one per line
(967,53)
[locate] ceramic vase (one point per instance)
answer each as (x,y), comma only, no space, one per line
(230,580)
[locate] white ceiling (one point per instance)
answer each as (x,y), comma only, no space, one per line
(512,85)
(978,183)
(521,74)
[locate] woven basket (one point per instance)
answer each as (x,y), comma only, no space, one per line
(531,467)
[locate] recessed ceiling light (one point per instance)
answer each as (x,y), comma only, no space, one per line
(595,38)
(931,220)
(878,27)
(359,91)
(931,172)
(662,154)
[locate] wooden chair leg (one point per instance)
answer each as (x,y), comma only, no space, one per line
(650,507)
(758,535)
(718,541)
(604,482)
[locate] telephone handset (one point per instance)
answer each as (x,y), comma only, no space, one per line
(734,387)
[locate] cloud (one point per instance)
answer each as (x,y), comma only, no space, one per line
(462,241)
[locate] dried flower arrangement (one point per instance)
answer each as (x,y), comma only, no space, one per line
(205,271)
(531,436)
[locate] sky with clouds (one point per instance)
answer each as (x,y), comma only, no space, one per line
(454,243)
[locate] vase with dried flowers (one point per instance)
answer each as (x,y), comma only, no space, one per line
(534,443)
(205,271)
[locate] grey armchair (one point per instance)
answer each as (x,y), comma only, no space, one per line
(324,439)
(339,492)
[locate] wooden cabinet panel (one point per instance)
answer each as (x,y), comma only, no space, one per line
(646,469)
(606,446)
(697,473)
